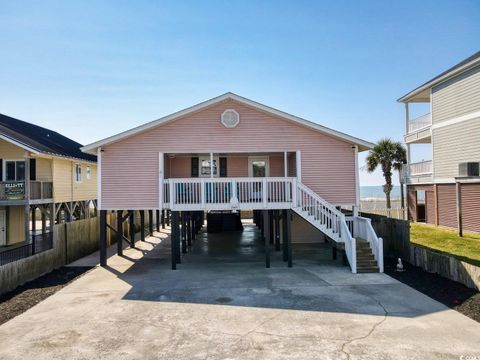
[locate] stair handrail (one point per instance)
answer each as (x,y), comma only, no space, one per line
(361,227)
(369,234)
(350,244)
(336,223)
(313,194)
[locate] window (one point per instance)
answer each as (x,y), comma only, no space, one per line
(205,166)
(88,172)
(78,172)
(14,170)
(230,118)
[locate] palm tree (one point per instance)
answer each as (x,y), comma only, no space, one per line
(390,155)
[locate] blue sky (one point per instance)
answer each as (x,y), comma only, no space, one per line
(89,69)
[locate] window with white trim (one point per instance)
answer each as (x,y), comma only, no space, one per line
(204,164)
(88,172)
(14,170)
(78,172)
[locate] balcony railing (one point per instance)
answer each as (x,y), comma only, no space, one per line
(421,168)
(38,243)
(41,190)
(420,122)
(15,190)
(217,193)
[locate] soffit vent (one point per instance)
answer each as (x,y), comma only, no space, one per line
(230,118)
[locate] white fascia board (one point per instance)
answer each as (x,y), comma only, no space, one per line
(19,144)
(91,148)
(432,83)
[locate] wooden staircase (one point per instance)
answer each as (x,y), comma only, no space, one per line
(366,262)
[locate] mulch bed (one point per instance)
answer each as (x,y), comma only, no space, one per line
(450,293)
(28,295)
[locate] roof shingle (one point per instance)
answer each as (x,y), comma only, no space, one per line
(41,139)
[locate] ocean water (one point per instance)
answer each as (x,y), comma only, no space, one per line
(376,192)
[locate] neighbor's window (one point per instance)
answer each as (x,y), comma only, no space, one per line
(14,170)
(205,166)
(78,172)
(88,172)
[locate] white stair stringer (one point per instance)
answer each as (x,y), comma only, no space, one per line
(326,218)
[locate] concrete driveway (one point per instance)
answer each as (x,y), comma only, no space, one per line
(213,307)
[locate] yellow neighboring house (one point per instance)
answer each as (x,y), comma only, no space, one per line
(45,179)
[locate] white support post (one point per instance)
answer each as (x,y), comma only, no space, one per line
(407,117)
(294,192)
(357,180)
(285,164)
(202,192)
(160,179)
(299,165)
(172,195)
(407,122)
(211,165)
(99,178)
(264,192)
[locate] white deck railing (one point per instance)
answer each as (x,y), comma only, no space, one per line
(361,227)
(420,168)
(272,193)
(327,218)
(228,193)
(420,122)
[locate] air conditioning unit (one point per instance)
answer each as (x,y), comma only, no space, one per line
(469,169)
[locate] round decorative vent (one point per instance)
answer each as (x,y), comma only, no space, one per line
(230,118)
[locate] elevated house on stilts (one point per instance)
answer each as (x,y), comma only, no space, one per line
(231,154)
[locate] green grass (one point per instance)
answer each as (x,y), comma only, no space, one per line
(447,241)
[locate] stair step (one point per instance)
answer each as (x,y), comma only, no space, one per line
(367,254)
(367,269)
(366,263)
(363,246)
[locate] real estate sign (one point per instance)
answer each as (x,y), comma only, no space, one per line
(14,190)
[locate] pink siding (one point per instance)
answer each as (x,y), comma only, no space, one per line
(130,167)
(181,167)
(292,165)
(276,165)
(237,166)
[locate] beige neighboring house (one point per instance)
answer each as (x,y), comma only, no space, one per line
(446,189)
(45,179)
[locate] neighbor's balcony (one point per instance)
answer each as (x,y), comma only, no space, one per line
(11,191)
(41,190)
(420,172)
(419,130)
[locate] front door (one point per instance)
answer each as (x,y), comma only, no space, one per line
(3,228)
(258,166)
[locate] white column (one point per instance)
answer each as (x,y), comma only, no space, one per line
(285,164)
(357,179)
(299,165)
(160,179)
(99,178)
(407,117)
(407,121)
(211,165)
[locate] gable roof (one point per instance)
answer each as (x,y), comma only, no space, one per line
(422,92)
(39,140)
(362,144)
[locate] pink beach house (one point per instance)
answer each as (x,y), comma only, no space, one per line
(230,154)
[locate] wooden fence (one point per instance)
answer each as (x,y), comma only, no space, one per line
(396,244)
(71,241)
(395,234)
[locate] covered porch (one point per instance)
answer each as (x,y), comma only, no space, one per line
(228,181)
